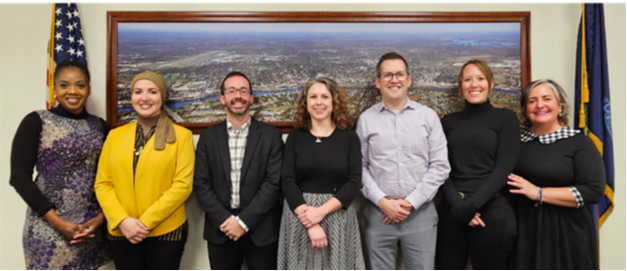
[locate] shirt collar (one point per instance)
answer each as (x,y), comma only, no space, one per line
(229,125)
(409,104)
(526,135)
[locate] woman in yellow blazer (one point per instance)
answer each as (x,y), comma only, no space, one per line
(144,176)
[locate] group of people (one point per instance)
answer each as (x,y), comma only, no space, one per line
(513,197)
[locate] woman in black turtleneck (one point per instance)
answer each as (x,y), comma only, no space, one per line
(483,145)
(64,226)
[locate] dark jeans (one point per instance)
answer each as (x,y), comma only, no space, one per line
(230,255)
(489,247)
(149,254)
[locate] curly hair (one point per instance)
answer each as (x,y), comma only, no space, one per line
(339,116)
(560,94)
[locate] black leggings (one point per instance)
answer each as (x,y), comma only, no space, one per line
(489,247)
(149,254)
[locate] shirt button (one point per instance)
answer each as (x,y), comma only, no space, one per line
(399,132)
(400,148)
(401,164)
(402,181)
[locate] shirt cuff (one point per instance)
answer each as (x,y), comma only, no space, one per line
(375,197)
(241,223)
(578,197)
(416,199)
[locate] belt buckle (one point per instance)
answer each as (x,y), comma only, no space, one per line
(461,194)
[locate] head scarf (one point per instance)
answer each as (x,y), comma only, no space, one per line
(165,127)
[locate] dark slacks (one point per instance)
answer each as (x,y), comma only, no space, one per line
(489,248)
(149,254)
(230,255)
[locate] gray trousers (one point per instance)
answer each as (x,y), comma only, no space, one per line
(416,235)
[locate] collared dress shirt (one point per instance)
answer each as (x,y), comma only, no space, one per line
(237,146)
(404,154)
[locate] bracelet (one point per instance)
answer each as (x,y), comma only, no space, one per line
(539,199)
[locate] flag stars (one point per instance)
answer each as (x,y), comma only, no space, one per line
(70,38)
(70,27)
(58,24)
(75,13)
(69,14)
(58,36)
(72,51)
(79,53)
(58,48)
(81,42)
(58,12)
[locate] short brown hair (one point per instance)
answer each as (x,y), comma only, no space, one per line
(560,94)
(235,73)
(483,67)
(391,56)
(340,116)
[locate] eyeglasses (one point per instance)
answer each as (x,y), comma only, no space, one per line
(232,91)
(399,76)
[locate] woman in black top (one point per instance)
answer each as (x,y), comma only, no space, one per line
(559,172)
(321,175)
(483,144)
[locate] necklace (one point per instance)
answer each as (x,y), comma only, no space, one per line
(318,140)
(139,151)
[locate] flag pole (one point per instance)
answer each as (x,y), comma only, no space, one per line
(50,80)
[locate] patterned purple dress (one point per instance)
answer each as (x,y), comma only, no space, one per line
(67,159)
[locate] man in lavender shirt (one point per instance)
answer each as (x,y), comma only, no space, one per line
(404,162)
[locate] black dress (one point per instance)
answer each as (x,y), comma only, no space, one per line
(550,236)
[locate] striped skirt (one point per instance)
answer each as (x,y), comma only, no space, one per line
(342,230)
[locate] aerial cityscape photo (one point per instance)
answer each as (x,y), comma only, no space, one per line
(279,58)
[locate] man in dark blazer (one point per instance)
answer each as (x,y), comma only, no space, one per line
(236,181)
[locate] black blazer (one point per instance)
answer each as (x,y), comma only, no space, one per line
(260,203)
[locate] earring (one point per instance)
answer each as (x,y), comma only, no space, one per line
(560,114)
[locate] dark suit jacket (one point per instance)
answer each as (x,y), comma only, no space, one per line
(260,205)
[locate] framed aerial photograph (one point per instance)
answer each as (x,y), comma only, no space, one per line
(280,51)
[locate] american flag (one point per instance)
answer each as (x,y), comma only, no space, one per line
(66,43)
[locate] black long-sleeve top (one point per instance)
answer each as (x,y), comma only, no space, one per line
(483,147)
(331,166)
(24,157)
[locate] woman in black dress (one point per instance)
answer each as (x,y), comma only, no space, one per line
(483,144)
(559,172)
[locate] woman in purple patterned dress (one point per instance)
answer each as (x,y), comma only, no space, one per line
(63,221)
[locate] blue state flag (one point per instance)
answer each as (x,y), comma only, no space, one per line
(592,98)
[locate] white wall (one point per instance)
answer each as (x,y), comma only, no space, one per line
(24,36)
